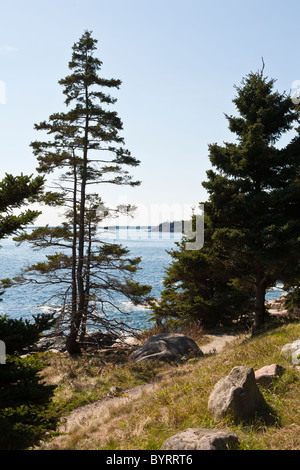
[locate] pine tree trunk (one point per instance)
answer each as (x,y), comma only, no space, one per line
(80,280)
(72,344)
(87,283)
(259,312)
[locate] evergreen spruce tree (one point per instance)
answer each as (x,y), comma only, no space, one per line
(252,223)
(25,403)
(26,411)
(17,192)
(198,291)
(88,149)
(254,190)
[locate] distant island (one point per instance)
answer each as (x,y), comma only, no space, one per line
(177,226)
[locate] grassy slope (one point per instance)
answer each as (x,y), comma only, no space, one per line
(180,400)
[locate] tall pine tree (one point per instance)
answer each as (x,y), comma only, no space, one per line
(254,190)
(252,223)
(88,149)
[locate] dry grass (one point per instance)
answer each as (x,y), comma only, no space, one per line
(180,399)
(87,378)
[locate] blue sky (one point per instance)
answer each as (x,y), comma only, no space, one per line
(178,62)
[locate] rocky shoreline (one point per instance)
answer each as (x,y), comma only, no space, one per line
(56,341)
(276,307)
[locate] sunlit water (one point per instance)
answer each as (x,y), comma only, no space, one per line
(152,247)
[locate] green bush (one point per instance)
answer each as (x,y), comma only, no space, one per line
(26,413)
(17,334)
(293,299)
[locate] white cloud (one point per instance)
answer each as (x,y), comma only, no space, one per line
(7,48)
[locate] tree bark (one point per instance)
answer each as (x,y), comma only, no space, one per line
(259,312)
(72,344)
(87,284)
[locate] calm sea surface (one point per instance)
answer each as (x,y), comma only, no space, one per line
(151,246)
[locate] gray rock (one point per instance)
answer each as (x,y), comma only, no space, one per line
(57,341)
(266,375)
(289,348)
(236,395)
(171,347)
(50,341)
(99,339)
(201,439)
(296,357)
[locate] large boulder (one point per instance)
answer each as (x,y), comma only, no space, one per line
(236,395)
(171,347)
(201,439)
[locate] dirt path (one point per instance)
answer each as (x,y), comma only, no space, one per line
(102,408)
(217,343)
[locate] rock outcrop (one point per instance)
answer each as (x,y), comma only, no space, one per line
(277,307)
(171,347)
(51,341)
(56,341)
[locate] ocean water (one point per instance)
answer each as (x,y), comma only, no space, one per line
(26,301)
